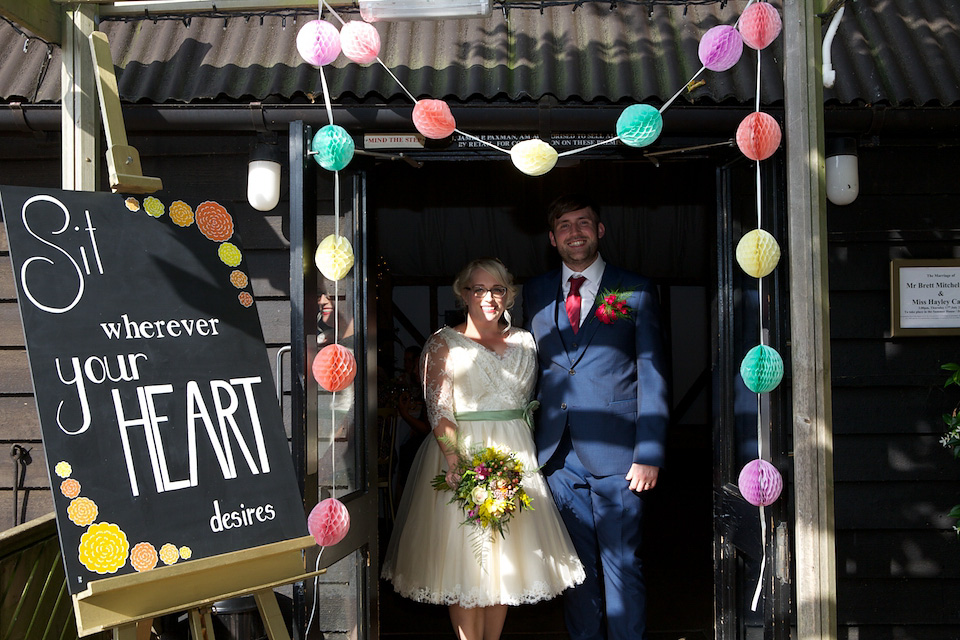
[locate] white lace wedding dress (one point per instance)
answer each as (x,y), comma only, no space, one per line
(431,557)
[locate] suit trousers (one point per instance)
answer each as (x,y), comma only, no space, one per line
(604,519)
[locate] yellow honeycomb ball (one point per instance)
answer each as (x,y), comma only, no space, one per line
(758,253)
(534,157)
(334,257)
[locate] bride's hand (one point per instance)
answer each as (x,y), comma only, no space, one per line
(452,478)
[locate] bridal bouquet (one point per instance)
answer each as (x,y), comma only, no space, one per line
(490,491)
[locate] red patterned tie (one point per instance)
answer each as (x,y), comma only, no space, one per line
(573,302)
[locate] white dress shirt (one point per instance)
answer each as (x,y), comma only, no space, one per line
(590,287)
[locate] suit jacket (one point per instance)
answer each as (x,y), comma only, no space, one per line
(606,383)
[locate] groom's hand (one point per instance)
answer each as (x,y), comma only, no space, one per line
(642,477)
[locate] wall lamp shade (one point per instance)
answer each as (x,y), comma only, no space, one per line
(843,171)
(263,177)
(376,10)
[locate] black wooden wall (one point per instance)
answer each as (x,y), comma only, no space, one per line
(898,558)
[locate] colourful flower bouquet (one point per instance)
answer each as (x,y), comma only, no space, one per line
(490,491)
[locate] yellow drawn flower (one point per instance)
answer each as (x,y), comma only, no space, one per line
(181,213)
(82,511)
(229,254)
(63,469)
(103,548)
(153,206)
(169,554)
(70,488)
(143,556)
(186,552)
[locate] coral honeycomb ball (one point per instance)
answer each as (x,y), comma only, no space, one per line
(759,25)
(334,368)
(433,119)
(758,135)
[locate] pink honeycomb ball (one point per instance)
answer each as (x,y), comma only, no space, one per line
(433,119)
(720,48)
(760,483)
(318,42)
(360,41)
(328,522)
(759,25)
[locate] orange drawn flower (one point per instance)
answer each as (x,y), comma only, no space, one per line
(82,511)
(239,279)
(143,556)
(245,299)
(132,203)
(103,548)
(214,222)
(229,254)
(169,554)
(70,488)
(153,206)
(181,214)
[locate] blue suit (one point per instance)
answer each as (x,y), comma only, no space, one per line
(603,406)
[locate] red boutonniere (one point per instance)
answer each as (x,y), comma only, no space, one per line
(612,305)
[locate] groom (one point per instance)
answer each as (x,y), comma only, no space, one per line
(603,417)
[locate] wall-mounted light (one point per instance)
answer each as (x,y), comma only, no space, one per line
(843,171)
(263,177)
(375,10)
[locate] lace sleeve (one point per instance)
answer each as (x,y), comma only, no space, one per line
(437,379)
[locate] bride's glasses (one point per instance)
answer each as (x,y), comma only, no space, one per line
(480,291)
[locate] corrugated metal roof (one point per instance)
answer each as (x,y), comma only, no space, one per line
(892,52)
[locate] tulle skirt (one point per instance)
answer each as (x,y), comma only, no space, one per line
(432,558)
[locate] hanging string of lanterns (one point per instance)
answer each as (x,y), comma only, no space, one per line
(721,47)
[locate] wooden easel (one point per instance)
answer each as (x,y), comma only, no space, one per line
(127,604)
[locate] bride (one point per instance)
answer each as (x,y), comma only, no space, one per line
(480,366)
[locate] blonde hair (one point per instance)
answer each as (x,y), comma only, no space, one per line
(495,268)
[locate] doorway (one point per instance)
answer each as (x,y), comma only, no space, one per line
(661,221)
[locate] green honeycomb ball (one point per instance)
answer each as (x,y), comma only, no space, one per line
(762,369)
(332,147)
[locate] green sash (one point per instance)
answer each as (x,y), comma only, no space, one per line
(525,414)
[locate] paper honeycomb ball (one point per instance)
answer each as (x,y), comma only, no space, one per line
(720,48)
(433,119)
(758,135)
(759,25)
(334,368)
(760,483)
(762,369)
(328,522)
(360,41)
(758,253)
(334,257)
(534,157)
(639,125)
(318,42)
(332,147)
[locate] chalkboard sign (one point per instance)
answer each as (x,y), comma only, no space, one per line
(160,421)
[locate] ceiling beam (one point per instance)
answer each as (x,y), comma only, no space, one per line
(186,7)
